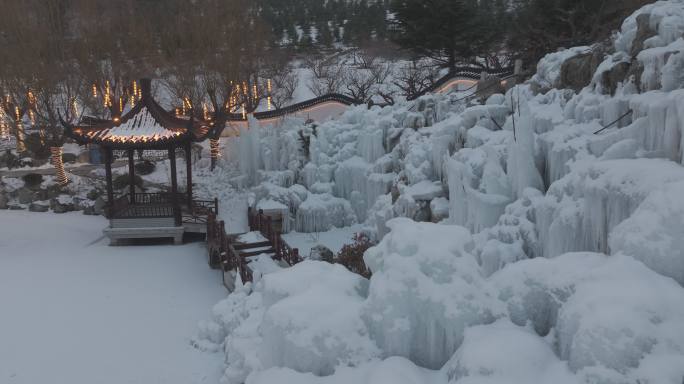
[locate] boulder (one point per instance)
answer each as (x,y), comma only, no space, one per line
(99,205)
(321,253)
(423,212)
(4,200)
(439,209)
(40,194)
(53,191)
(24,195)
(62,204)
(38,207)
(93,194)
(15,207)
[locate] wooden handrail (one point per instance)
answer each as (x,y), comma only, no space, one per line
(221,244)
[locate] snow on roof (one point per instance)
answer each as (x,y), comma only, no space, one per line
(141,127)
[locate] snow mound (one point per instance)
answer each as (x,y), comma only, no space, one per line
(306,318)
(505,353)
(425,290)
(619,313)
(394,370)
(653,234)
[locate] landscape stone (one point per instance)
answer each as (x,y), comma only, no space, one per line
(25,195)
(38,207)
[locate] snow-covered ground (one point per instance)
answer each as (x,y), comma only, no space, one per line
(76,311)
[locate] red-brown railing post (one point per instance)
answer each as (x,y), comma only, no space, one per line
(295,256)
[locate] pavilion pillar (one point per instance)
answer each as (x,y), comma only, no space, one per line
(174,187)
(131,175)
(188,172)
(108,176)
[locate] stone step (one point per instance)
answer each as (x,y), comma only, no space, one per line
(261,244)
(258,252)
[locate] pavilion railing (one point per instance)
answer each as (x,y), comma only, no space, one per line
(222,253)
(153,205)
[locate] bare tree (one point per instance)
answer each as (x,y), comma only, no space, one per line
(416,77)
(328,76)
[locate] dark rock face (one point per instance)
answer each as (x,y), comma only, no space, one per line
(644,32)
(621,73)
(37,207)
(616,75)
(577,72)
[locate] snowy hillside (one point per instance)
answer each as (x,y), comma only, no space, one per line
(519,240)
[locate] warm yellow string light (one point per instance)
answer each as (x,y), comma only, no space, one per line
(32,117)
(214,148)
(269,102)
(205,109)
(4,131)
(269,86)
(244,112)
(58,163)
(21,145)
(17,113)
(94,90)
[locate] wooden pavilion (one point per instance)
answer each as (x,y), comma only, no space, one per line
(148,126)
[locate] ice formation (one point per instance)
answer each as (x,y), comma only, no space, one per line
(555,234)
(425,290)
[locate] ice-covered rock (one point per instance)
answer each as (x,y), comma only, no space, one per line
(306,318)
(619,313)
(654,233)
(321,212)
(505,353)
(425,290)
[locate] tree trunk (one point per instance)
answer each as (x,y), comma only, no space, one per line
(58,163)
(20,136)
(215,152)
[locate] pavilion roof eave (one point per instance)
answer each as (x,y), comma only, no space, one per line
(157,127)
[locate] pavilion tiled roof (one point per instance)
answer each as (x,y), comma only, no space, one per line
(146,125)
